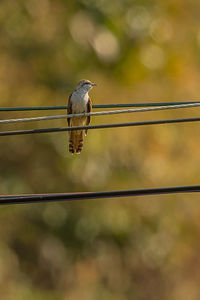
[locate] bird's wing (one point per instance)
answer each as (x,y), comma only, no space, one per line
(89,109)
(69,109)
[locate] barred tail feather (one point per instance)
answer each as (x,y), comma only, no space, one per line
(76,141)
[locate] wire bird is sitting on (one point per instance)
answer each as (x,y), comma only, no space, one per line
(79,102)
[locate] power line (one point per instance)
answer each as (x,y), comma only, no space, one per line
(114,125)
(101,113)
(61,107)
(35,198)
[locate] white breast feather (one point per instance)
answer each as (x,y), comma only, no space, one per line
(79,102)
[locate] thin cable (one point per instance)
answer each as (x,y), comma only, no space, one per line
(25,199)
(101,113)
(60,107)
(48,130)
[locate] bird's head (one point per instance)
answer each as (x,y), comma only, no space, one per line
(85,85)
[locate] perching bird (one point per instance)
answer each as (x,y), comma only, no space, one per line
(79,102)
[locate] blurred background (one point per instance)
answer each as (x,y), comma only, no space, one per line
(128,248)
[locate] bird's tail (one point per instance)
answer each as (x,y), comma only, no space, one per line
(76,141)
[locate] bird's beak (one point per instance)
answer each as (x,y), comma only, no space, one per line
(94,84)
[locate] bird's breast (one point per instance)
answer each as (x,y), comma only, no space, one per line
(79,103)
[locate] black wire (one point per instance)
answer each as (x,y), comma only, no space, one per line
(25,199)
(141,123)
(116,105)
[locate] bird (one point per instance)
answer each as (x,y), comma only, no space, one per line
(79,102)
